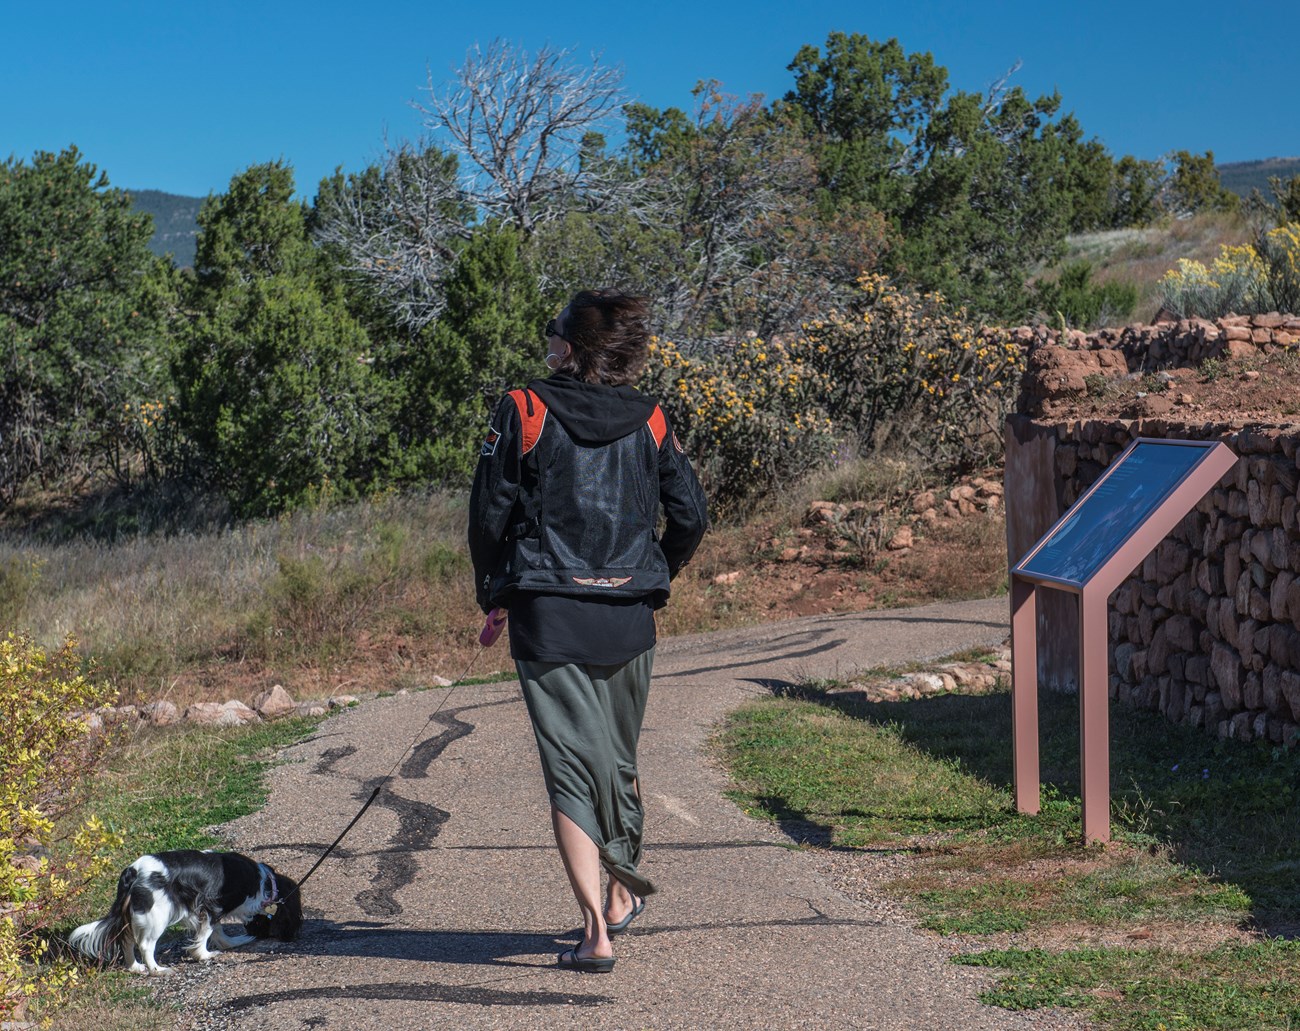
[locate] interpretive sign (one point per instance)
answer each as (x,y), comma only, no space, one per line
(1090,550)
(1120,501)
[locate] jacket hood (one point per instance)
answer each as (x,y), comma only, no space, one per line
(592,413)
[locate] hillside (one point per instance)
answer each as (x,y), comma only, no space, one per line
(174,221)
(1243,176)
(1142,256)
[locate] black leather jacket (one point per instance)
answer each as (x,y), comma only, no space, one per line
(568,491)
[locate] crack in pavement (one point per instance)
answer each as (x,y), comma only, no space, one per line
(404,991)
(418,823)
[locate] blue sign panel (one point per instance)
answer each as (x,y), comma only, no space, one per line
(1105,517)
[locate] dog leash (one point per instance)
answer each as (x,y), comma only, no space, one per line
(496,621)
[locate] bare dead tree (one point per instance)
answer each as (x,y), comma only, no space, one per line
(516,122)
(399,223)
(737,202)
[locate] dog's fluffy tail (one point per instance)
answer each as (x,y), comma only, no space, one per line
(98,939)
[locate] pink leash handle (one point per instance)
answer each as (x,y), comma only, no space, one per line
(496,621)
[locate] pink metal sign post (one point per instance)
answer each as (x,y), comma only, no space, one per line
(1089,552)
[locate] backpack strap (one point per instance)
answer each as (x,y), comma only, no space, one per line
(532,417)
(658,426)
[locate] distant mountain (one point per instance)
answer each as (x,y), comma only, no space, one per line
(175,225)
(1243,176)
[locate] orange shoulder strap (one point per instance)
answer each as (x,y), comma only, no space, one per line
(658,426)
(532,417)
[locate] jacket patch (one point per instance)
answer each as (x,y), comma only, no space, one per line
(602,581)
(490,444)
(678,444)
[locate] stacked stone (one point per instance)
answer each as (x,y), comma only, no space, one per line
(1208,630)
(1059,363)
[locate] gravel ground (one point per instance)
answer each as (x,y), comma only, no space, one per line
(446,905)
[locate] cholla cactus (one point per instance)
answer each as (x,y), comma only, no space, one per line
(751,416)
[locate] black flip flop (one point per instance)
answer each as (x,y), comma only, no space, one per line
(570,960)
(638,904)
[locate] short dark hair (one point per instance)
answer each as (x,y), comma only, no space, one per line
(609,332)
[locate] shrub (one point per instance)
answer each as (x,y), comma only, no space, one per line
(1072,296)
(750,416)
(1246,280)
(902,367)
(46,857)
(1279,252)
(896,368)
(1234,283)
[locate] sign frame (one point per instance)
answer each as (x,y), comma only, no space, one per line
(1093,591)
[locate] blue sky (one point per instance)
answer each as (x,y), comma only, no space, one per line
(179,96)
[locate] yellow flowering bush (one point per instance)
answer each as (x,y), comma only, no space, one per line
(1235,282)
(47,752)
(1244,280)
(1280,256)
(143,441)
(750,416)
(907,368)
(894,366)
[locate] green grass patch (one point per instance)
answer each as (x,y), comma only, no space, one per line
(807,764)
(1204,842)
(165,789)
(1232,987)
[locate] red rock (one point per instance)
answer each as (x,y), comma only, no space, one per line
(903,538)
(203,713)
(236,714)
(161,713)
(274,703)
(1290,684)
(1279,593)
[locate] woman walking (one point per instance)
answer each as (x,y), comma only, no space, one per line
(572,478)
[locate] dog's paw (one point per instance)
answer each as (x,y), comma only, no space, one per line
(136,968)
(204,956)
(156,971)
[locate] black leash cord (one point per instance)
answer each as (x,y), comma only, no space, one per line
(389,775)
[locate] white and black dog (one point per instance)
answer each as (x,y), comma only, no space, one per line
(199,889)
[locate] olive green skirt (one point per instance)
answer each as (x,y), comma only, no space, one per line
(587,720)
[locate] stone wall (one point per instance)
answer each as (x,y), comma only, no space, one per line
(1059,364)
(1207,630)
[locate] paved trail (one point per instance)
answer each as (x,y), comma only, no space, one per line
(446,905)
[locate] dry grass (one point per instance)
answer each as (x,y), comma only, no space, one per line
(377,596)
(318,601)
(1142,256)
(980,541)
